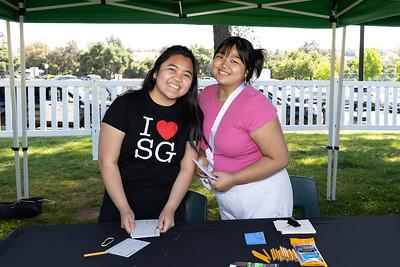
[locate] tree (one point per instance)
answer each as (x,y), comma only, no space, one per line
(3,60)
(298,65)
(64,60)
(245,32)
(373,65)
(323,69)
(308,47)
(139,69)
(105,60)
(36,55)
(220,33)
(398,71)
(204,57)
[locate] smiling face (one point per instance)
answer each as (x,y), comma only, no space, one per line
(228,69)
(173,80)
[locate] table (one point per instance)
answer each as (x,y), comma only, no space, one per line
(343,241)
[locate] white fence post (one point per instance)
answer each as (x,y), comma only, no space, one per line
(95,118)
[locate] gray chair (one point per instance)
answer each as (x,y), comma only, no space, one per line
(305,195)
(195,207)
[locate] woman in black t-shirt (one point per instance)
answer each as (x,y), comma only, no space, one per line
(147,141)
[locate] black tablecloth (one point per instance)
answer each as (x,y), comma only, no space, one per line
(343,241)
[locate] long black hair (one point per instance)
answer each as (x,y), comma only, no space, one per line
(190,110)
(253,59)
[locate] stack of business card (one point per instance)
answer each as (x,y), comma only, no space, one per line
(287,229)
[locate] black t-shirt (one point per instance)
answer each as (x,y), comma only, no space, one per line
(154,144)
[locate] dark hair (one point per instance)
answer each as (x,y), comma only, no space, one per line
(253,59)
(190,110)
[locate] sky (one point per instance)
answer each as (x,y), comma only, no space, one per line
(147,37)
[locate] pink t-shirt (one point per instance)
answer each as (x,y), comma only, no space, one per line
(234,148)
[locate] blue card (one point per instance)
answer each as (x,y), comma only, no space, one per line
(256,238)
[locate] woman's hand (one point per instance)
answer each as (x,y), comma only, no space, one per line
(127,220)
(166,220)
(224,183)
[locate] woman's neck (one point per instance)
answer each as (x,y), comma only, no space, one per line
(225,91)
(160,99)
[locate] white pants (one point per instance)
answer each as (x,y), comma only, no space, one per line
(271,197)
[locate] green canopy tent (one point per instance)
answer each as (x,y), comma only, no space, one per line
(272,13)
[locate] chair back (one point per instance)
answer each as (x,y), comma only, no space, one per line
(305,195)
(195,207)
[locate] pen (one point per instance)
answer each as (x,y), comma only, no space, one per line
(260,256)
(95,254)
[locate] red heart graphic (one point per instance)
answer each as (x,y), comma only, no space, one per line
(167,129)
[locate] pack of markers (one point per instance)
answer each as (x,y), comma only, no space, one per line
(307,252)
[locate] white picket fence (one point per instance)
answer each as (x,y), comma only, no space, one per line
(75,107)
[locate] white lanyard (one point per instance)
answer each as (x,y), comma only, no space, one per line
(221,113)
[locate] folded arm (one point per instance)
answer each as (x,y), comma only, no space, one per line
(272,145)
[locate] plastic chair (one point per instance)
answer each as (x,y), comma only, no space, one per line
(305,195)
(195,207)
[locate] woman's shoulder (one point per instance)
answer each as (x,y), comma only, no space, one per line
(129,96)
(209,88)
(208,91)
(252,93)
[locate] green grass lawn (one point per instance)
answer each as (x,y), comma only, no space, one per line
(61,170)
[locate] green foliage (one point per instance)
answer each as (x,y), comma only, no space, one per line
(309,62)
(323,69)
(105,60)
(138,69)
(64,60)
(61,169)
(398,71)
(204,58)
(373,64)
(35,55)
(299,65)
(3,60)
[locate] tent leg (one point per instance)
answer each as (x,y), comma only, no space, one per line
(338,112)
(23,102)
(330,118)
(14,114)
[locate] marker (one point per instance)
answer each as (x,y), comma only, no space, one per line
(95,254)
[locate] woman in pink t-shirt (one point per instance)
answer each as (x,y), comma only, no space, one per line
(246,148)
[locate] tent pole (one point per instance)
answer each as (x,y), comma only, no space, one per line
(338,114)
(361,57)
(15,147)
(23,99)
(330,119)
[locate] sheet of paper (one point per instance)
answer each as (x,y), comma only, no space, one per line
(256,238)
(204,169)
(127,248)
(145,228)
(285,228)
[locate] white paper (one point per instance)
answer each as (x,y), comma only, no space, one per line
(204,169)
(145,228)
(127,248)
(205,183)
(285,228)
